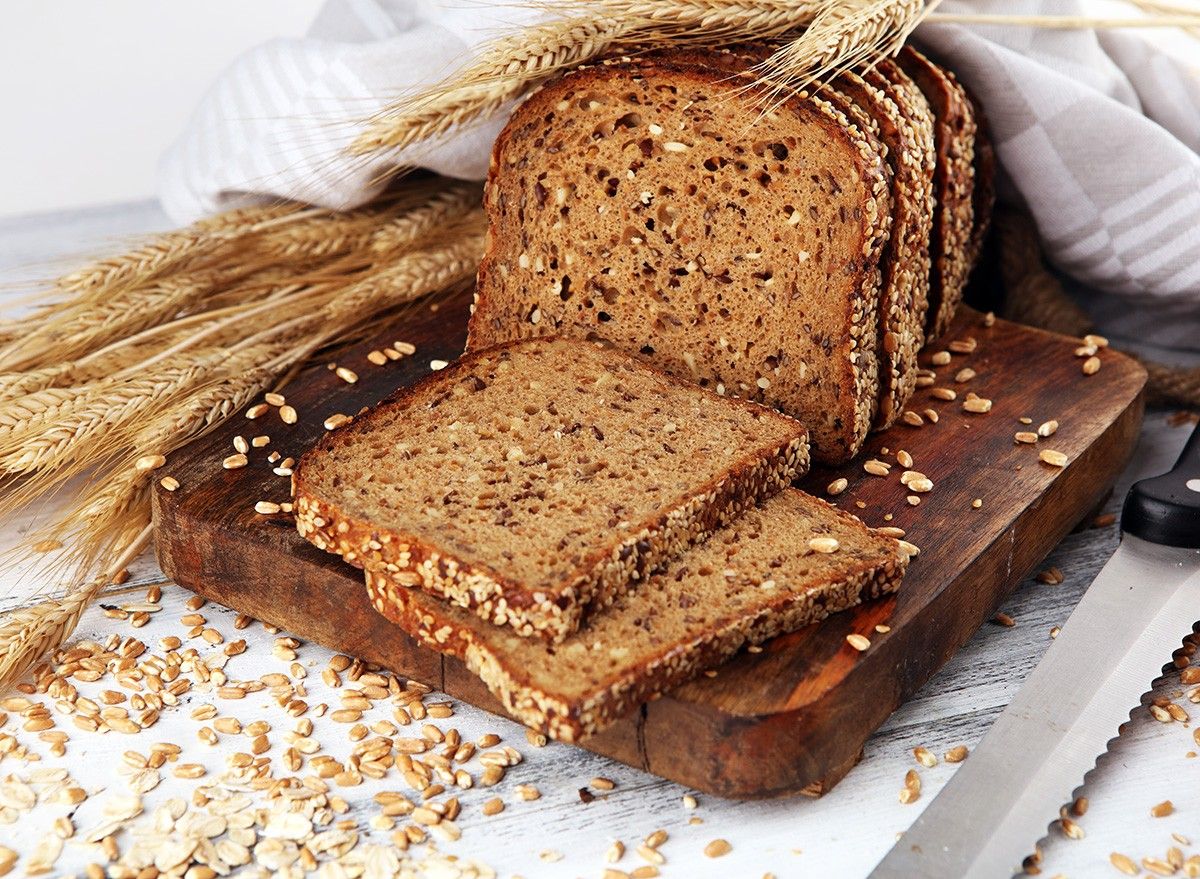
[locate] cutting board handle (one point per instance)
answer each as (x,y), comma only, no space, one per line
(1166,509)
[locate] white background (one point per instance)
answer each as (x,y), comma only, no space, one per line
(91,93)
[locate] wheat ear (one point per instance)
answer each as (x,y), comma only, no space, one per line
(503,72)
(26,634)
(145,351)
(841,36)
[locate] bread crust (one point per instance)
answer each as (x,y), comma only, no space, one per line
(905,261)
(954,138)
(856,362)
(571,717)
(598,576)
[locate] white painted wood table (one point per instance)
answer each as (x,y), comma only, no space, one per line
(843,833)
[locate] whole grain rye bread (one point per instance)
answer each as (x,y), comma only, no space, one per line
(954,141)
(791,561)
(905,261)
(534,481)
(636,202)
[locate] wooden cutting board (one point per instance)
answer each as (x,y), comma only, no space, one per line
(793,718)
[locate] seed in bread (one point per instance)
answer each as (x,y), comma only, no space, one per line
(537,479)
(754,579)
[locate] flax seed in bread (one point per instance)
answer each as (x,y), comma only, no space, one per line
(640,203)
(534,481)
(756,578)
(954,141)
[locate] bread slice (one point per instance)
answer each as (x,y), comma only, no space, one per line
(984,189)
(535,480)
(905,262)
(757,577)
(954,141)
(638,202)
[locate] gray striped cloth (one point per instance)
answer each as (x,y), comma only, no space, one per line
(1098,134)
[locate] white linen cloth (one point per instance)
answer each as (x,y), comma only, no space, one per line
(1097,133)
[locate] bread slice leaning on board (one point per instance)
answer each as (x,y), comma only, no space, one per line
(789,562)
(654,204)
(535,481)
(638,202)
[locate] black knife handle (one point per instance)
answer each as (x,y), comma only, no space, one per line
(1166,509)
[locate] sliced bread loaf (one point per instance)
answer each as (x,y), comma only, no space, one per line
(638,202)
(537,479)
(905,264)
(953,182)
(789,562)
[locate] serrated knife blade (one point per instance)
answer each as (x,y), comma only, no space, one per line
(1000,802)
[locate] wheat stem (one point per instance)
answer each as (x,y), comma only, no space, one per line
(28,633)
(1067,22)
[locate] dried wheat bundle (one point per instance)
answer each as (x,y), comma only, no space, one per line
(826,37)
(137,354)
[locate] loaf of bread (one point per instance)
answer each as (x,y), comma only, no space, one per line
(534,481)
(789,562)
(950,243)
(638,202)
(904,126)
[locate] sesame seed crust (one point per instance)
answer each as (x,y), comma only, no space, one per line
(528,677)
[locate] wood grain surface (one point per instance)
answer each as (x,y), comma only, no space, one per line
(792,718)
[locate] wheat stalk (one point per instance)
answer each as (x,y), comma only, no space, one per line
(157,347)
(445,209)
(837,35)
(513,64)
(504,72)
(841,36)
(28,633)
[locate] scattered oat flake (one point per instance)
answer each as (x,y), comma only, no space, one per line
(550,855)
(1124,863)
(957,754)
(1163,809)
(1071,829)
(717,848)
(1004,620)
(436,365)
(858,642)
(44,854)
(1053,458)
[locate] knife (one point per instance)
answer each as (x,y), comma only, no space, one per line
(1001,801)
